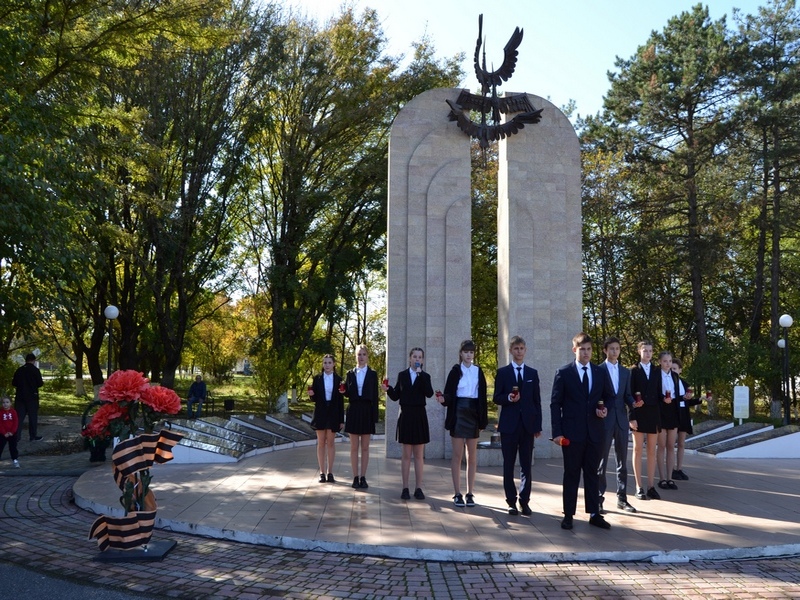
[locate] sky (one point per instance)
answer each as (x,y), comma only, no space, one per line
(568,45)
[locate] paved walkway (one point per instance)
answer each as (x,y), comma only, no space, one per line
(728,509)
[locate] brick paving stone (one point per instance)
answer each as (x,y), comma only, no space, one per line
(42,527)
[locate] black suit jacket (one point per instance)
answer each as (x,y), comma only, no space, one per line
(650,389)
(528,409)
(572,413)
(411,394)
(450,389)
(322,408)
(369,391)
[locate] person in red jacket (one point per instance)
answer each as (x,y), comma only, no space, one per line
(8,430)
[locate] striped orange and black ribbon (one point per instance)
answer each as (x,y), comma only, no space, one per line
(124,533)
(129,457)
(139,453)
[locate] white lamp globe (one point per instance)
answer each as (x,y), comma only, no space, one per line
(111,312)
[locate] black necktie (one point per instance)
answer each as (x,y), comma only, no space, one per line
(585,380)
(519,376)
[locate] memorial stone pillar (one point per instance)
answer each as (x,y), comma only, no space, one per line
(539,267)
(429,245)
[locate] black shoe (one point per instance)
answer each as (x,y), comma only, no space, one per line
(566,522)
(641,495)
(679,474)
(663,484)
(623,505)
(525,509)
(653,494)
(599,521)
(671,485)
(601,510)
(512,510)
(458,500)
(356,483)
(363,484)
(418,494)
(322,478)
(470,501)
(405,495)
(36,438)
(330,478)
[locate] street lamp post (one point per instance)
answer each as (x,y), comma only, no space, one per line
(785,322)
(111,312)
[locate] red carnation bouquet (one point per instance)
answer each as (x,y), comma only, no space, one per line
(126,396)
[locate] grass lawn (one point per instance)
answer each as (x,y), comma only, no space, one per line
(60,399)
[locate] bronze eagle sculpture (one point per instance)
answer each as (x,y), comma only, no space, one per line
(488,102)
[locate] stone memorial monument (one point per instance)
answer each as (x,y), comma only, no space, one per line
(429,233)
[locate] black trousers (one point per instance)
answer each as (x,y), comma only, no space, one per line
(520,442)
(30,409)
(12,446)
(581,458)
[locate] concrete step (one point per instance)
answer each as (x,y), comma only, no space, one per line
(724,435)
(772,442)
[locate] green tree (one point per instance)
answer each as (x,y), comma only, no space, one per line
(315,217)
(484,253)
(769,113)
(51,56)
(673,98)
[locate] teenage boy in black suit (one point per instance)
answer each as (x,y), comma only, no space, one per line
(517,392)
(582,393)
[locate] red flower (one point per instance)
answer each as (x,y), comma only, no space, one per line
(100,425)
(124,385)
(162,400)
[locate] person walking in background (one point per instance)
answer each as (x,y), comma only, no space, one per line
(645,419)
(412,388)
(8,430)
(467,415)
(361,388)
(616,425)
(197,395)
(328,416)
(684,420)
(582,395)
(516,391)
(28,379)
(665,451)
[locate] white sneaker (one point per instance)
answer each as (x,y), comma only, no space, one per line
(16,464)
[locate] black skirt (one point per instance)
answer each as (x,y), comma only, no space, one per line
(325,416)
(412,426)
(669,415)
(648,418)
(684,420)
(466,425)
(359,418)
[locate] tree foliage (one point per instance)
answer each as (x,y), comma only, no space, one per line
(317,168)
(690,195)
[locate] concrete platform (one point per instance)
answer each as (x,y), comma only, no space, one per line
(730,508)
